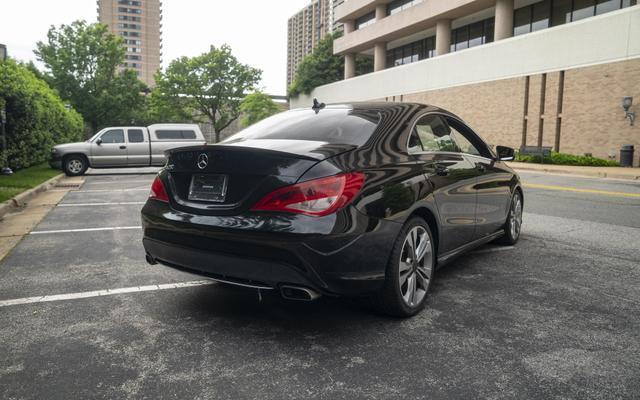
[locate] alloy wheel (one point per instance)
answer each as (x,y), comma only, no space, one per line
(515,216)
(75,166)
(416,263)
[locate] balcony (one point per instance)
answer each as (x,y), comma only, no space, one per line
(404,23)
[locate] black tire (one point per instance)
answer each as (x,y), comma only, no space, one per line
(389,300)
(511,234)
(75,165)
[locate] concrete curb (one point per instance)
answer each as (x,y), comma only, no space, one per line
(599,173)
(22,198)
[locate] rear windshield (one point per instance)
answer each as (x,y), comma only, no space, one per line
(330,125)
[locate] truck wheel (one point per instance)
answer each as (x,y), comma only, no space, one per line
(75,165)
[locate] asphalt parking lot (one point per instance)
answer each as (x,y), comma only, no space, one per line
(556,316)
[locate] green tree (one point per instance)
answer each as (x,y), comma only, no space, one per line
(37,118)
(322,67)
(256,107)
(83,61)
(212,84)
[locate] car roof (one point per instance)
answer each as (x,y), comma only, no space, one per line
(382,106)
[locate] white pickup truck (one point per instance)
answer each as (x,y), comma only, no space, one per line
(124,146)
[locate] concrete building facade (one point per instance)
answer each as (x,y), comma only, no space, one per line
(305,29)
(139,23)
(551,72)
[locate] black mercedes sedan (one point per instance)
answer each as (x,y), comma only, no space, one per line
(362,199)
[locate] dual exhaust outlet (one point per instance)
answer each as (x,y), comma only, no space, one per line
(289,292)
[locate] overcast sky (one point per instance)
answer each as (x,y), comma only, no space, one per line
(255,29)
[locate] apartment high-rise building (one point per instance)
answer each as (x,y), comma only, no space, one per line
(139,23)
(305,29)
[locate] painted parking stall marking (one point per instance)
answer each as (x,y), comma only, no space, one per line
(123,203)
(101,293)
(114,228)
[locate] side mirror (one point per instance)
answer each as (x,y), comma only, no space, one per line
(505,153)
(99,141)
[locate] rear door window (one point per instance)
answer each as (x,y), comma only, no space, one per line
(135,136)
(431,133)
(329,125)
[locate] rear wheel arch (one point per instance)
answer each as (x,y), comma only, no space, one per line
(427,215)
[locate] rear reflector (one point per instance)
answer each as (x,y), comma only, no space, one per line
(317,197)
(157,191)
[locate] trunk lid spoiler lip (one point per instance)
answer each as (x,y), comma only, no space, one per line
(310,156)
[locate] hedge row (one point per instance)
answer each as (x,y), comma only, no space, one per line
(567,159)
(36,117)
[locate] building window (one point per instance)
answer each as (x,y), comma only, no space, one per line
(130,3)
(412,52)
(129,18)
(366,20)
(129,26)
(398,5)
(129,34)
(129,10)
(132,57)
(472,35)
(547,13)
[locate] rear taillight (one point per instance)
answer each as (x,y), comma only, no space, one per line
(157,191)
(317,197)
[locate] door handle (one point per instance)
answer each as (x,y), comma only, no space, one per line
(123,147)
(441,170)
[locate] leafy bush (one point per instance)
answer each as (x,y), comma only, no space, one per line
(567,159)
(36,117)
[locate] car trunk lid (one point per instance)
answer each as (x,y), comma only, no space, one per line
(230,178)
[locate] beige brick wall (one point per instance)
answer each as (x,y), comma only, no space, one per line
(592,117)
(493,109)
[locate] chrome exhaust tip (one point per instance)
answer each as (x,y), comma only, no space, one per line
(150,259)
(298,293)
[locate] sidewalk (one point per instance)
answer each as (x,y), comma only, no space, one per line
(599,172)
(18,222)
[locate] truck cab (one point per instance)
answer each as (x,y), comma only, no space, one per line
(124,146)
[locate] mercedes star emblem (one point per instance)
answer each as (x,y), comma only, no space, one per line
(203,161)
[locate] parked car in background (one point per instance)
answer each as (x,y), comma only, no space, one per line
(344,200)
(124,146)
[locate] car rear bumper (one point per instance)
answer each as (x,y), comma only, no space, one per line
(347,263)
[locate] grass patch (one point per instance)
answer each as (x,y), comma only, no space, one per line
(567,159)
(24,179)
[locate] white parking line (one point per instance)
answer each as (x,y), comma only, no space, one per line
(116,182)
(123,203)
(146,189)
(114,228)
(99,293)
